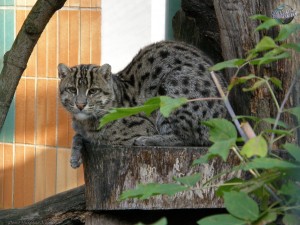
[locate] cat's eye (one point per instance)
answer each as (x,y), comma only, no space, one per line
(71,90)
(93,91)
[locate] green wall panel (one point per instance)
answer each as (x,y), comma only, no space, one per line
(6,2)
(7,28)
(172,7)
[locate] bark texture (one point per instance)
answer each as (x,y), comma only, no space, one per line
(15,60)
(110,171)
(223,29)
(65,208)
(238,36)
(196,23)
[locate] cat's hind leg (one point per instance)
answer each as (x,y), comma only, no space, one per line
(158,140)
(166,137)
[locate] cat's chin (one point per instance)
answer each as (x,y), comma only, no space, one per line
(81,116)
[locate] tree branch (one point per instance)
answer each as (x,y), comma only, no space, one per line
(58,209)
(15,60)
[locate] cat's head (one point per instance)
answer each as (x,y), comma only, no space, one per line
(85,90)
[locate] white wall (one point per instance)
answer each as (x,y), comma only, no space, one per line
(129,25)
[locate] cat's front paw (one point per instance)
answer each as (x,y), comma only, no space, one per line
(76,159)
(77,146)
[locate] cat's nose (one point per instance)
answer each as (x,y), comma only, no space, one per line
(80,106)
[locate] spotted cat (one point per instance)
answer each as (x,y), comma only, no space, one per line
(167,68)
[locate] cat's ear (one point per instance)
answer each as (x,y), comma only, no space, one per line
(105,71)
(63,70)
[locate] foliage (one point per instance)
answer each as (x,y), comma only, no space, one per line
(164,103)
(275,181)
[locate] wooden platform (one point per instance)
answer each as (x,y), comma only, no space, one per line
(110,171)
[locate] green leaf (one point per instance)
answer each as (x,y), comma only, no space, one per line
(260,17)
(269,59)
(290,219)
(251,185)
(266,43)
(228,185)
(273,121)
(118,113)
(267,24)
(274,52)
(279,132)
(222,148)
(189,180)
(221,219)
(240,80)
(145,191)
(256,85)
(293,174)
(276,82)
(295,111)
(233,63)
(162,221)
(291,189)
(269,163)
(165,103)
(294,150)
(168,104)
(221,130)
(287,30)
(256,146)
(203,159)
(267,219)
(251,55)
(223,134)
(294,46)
(240,205)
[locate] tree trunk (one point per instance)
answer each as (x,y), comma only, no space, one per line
(238,36)
(109,171)
(196,23)
(15,60)
(224,26)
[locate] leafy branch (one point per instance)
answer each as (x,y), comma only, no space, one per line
(275,181)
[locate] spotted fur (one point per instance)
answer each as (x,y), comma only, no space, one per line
(165,68)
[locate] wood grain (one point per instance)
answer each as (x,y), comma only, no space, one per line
(110,171)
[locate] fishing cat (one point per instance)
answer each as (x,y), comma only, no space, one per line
(167,68)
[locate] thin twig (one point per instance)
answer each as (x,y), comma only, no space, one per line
(242,133)
(204,99)
(273,95)
(280,111)
(228,106)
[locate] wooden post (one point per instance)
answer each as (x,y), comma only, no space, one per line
(111,170)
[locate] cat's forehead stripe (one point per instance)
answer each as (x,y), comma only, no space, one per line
(82,76)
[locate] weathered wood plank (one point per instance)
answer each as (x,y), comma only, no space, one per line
(110,171)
